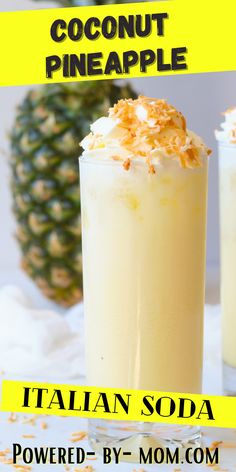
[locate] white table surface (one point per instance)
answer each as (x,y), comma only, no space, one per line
(59,430)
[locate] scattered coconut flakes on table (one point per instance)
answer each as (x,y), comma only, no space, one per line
(76,437)
(5,452)
(22,468)
(87,468)
(7,461)
(32,420)
(215,444)
(43,425)
(217,468)
(13,418)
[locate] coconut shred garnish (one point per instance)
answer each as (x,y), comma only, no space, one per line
(144,129)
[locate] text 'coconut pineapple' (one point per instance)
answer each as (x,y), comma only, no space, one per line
(93,64)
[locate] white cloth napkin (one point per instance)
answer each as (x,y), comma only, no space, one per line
(43,345)
(39,343)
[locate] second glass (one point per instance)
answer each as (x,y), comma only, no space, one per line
(227,171)
(144,266)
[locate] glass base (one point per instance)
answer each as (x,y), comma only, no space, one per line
(229,380)
(131,436)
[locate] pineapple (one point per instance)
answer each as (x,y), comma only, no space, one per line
(45,138)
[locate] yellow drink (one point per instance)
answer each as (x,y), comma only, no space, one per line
(144,264)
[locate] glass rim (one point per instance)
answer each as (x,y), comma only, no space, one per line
(138,163)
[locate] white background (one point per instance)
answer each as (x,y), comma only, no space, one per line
(200,97)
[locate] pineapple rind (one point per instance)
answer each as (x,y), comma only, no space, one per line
(45,138)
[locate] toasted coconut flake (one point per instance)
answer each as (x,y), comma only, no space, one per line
(7,461)
(217,468)
(96,141)
(215,444)
(126,164)
(76,437)
(149,125)
(12,418)
(79,433)
(151,168)
(87,468)
(22,468)
(4,453)
(101,428)
(31,421)
(43,425)
(229,110)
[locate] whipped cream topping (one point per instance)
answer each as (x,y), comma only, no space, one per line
(228,127)
(147,129)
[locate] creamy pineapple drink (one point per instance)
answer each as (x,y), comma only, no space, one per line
(227,168)
(143,189)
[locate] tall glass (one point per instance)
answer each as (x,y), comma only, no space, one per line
(144,265)
(227,168)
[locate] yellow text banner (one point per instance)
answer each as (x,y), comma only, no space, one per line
(117,41)
(118,404)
